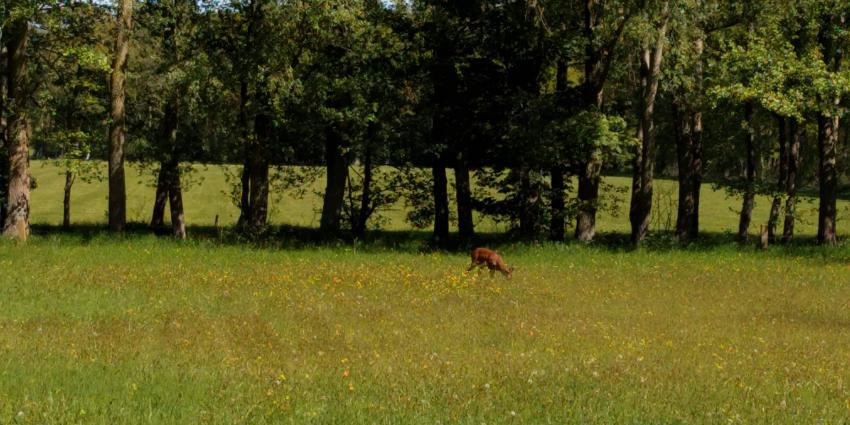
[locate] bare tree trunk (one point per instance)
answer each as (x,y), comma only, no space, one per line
(781,182)
(642,179)
(441,204)
(175,200)
(117,189)
(66,199)
(558,213)
(4,158)
(689,153)
(359,228)
(259,174)
(337,174)
(245,200)
(158,216)
(793,132)
(16,225)
(588,195)
(828,132)
(556,227)
(466,229)
(749,190)
(588,176)
(827,176)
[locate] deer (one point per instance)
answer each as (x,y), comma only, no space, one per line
(493,261)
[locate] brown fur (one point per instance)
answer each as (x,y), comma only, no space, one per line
(493,261)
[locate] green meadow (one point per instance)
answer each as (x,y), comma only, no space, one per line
(208,196)
(140,329)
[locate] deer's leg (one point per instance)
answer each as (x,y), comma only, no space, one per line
(492,273)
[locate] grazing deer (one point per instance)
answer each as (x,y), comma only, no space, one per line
(493,261)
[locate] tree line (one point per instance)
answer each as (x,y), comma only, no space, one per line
(531,99)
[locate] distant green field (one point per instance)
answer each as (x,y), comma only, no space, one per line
(207,197)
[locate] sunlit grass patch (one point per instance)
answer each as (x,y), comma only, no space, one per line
(143,330)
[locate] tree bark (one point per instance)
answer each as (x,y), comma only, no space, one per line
(161,198)
(588,195)
(556,227)
(558,208)
(795,135)
(828,132)
(827,176)
(441,204)
(644,165)
(749,185)
(337,174)
(4,158)
(66,200)
(259,174)
(245,200)
(689,154)
(117,189)
(781,182)
(16,225)
(359,228)
(466,229)
(175,200)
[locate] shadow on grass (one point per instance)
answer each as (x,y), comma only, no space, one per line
(296,238)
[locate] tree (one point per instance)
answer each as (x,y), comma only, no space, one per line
(16,36)
(652,54)
(117,189)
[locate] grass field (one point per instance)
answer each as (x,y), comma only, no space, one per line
(140,329)
(146,330)
(207,198)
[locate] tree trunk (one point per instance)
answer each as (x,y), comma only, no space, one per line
(689,155)
(66,200)
(556,227)
(588,194)
(259,174)
(644,168)
(827,176)
(828,131)
(794,133)
(175,200)
(117,190)
(441,204)
(337,174)
(749,189)
(466,229)
(526,212)
(558,212)
(4,158)
(359,228)
(158,216)
(597,67)
(781,182)
(245,200)
(16,225)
